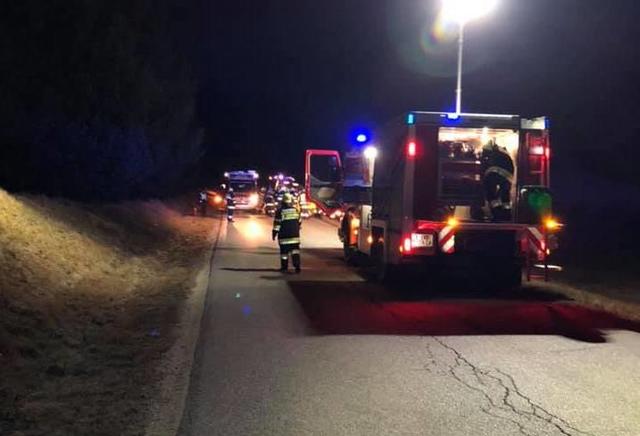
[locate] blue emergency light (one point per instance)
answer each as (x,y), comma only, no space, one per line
(361,138)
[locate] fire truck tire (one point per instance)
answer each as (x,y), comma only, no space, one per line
(383,271)
(350,253)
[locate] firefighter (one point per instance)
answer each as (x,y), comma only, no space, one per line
(296,199)
(286,226)
(231,204)
(497,169)
(202,202)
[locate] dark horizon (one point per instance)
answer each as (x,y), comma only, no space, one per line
(278,79)
(257,85)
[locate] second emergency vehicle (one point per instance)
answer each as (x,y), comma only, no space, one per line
(245,189)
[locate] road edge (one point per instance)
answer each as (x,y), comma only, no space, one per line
(624,309)
(166,412)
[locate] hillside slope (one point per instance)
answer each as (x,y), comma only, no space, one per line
(88,295)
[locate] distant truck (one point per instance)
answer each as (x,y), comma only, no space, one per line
(245,189)
(416,197)
(278,184)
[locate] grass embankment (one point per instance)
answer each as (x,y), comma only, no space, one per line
(601,264)
(88,299)
(612,285)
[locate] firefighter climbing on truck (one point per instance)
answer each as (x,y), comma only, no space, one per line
(497,173)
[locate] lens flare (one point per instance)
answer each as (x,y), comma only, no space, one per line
(437,42)
(438,54)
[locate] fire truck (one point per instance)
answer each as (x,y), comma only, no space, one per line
(245,189)
(278,184)
(416,196)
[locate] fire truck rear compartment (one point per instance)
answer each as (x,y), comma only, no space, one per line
(451,161)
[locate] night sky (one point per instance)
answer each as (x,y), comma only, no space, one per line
(109,100)
(279,76)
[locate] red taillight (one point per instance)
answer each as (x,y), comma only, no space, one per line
(407,245)
(411,149)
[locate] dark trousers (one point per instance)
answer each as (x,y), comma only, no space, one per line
(289,250)
(498,192)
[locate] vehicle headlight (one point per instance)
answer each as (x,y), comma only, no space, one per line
(253,198)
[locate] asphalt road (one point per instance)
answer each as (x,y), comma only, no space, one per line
(327,353)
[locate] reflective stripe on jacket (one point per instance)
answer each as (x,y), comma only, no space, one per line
(287,224)
(501,172)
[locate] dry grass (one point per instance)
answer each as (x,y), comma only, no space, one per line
(620,298)
(88,296)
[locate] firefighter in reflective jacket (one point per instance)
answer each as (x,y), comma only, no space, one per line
(231,204)
(497,169)
(286,226)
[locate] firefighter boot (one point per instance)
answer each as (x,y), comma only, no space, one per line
(284,263)
(296,261)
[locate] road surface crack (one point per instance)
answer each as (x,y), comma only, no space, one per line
(502,397)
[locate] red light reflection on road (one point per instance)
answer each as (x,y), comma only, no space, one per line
(338,308)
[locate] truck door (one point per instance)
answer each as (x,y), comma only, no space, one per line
(324,179)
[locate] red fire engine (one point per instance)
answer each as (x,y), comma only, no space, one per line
(420,194)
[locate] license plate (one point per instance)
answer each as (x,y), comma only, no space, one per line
(421,240)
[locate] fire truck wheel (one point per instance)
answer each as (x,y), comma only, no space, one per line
(383,272)
(350,253)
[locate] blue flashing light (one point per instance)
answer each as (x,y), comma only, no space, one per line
(411,119)
(547,123)
(361,138)
(453,116)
